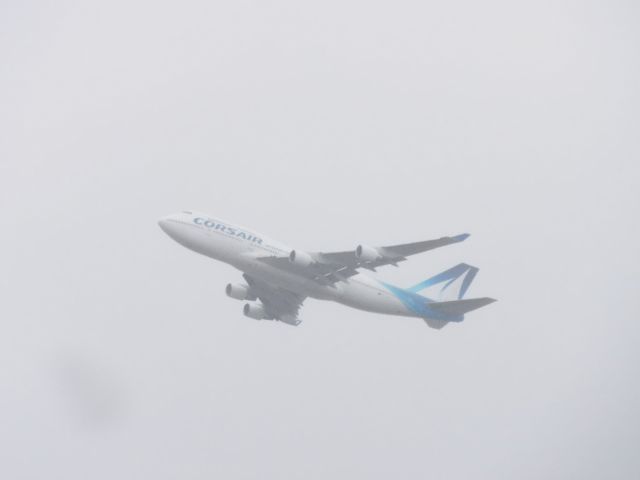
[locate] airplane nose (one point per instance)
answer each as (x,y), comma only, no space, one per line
(162,223)
(165,224)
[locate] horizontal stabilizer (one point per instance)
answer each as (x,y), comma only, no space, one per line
(460,307)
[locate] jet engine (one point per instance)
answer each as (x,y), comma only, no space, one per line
(254,310)
(365,253)
(237,291)
(301,259)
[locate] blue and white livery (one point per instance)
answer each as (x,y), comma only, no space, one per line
(279,278)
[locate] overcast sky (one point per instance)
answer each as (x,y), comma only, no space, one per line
(325,125)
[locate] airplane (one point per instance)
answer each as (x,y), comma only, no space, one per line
(279,278)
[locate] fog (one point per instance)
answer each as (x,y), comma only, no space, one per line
(324,125)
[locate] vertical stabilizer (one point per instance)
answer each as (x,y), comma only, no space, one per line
(451,284)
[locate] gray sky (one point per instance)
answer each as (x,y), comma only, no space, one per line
(325,125)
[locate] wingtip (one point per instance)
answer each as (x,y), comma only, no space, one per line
(461,237)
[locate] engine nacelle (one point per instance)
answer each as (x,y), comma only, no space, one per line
(254,310)
(302,259)
(365,253)
(237,291)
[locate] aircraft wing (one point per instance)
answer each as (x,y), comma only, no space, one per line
(279,304)
(331,267)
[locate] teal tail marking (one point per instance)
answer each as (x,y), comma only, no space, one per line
(449,276)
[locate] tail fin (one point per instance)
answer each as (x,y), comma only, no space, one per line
(456,282)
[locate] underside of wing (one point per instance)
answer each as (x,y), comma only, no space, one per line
(320,270)
(330,267)
(408,249)
(279,304)
(373,257)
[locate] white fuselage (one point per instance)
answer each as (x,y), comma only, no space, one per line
(241,248)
